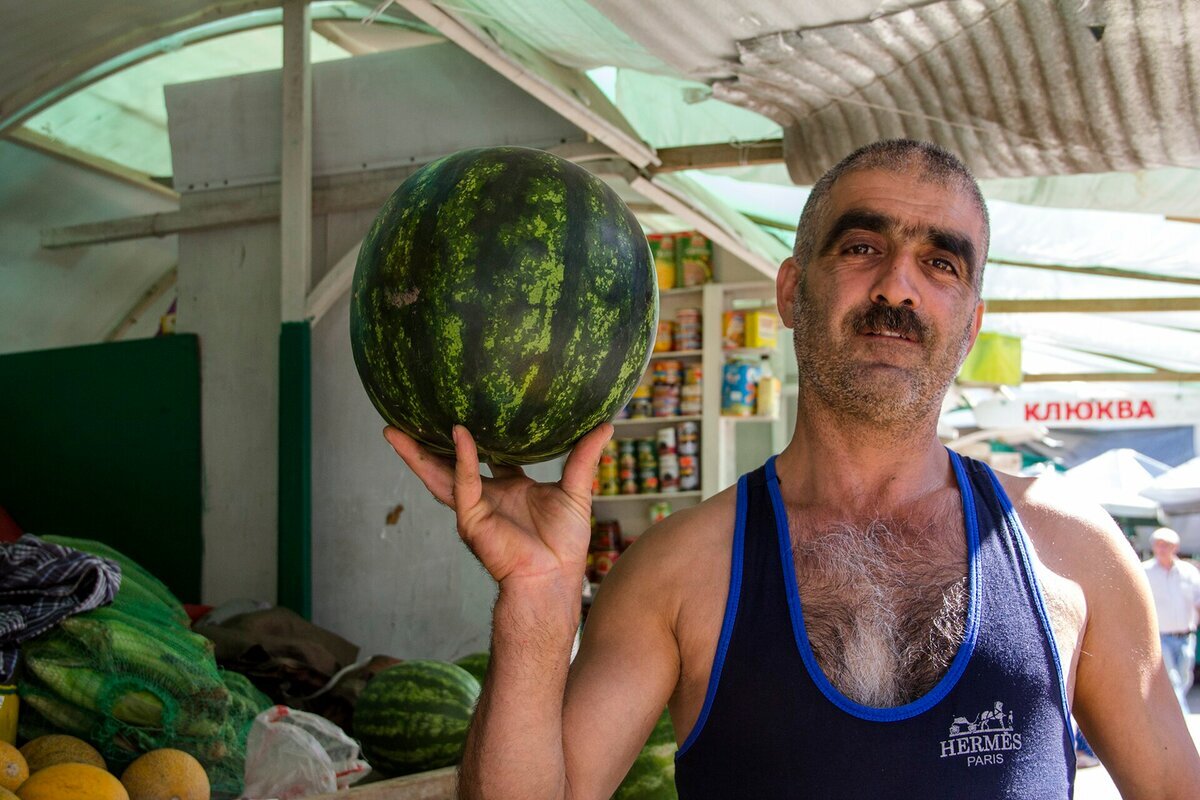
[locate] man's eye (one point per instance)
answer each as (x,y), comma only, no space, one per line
(944,265)
(859,249)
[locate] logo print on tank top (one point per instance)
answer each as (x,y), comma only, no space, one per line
(983,739)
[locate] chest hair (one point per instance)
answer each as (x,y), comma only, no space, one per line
(885,601)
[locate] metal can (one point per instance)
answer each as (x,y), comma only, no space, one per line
(606,471)
(688,437)
(647,454)
(691,400)
(648,480)
(733,329)
(668,372)
(658,511)
(689,473)
(665,340)
(666,442)
(606,536)
(603,561)
(668,473)
(641,406)
(687,329)
(666,400)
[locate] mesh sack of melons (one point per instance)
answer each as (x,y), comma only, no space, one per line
(132,677)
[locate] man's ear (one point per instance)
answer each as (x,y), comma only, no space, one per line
(975,326)
(786,281)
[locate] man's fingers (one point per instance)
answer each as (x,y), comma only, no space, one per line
(581,464)
(436,473)
(468,487)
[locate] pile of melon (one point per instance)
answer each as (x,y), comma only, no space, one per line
(57,767)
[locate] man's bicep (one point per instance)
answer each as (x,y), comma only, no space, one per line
(626,669)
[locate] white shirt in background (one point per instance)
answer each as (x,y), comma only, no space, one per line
(1176,593)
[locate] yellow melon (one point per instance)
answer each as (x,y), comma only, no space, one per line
(58,748)
(74,781)
(166,774)
(13,767)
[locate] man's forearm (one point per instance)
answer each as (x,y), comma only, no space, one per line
(514,747)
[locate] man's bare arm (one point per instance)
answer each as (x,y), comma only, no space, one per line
(533,539)
(1123,699)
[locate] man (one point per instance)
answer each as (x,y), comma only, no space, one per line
(840,623)
(1175,585)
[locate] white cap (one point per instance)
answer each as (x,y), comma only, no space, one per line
(1165,535)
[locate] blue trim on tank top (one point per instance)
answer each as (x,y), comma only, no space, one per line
(731,607)
(1024,546)
(965,650)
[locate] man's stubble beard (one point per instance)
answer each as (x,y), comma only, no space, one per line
(887,399)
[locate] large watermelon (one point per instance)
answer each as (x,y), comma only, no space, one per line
(508,290)
(413,716)
(476,664)
(652,775)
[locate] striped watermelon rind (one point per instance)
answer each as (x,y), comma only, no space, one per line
(508,290)
(476,664)
(413,716)
(652,774)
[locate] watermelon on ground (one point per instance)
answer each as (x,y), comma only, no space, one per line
(652,776)
(508,290)
(413,716)
(476,664)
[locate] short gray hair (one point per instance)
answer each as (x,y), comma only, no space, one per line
(931,162)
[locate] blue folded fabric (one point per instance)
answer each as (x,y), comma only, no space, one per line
(42,583)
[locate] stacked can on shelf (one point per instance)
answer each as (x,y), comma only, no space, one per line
(668,381)
(668,461)
(647,466)
(691,395)
(627,466)
(606,482)
(604,548)
(687,334)
(688,448)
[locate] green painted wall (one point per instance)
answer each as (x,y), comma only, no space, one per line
(103,441)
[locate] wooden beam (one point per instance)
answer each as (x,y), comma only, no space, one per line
(713,156)
(1113,377)
(235,207)
(568,92)
(331,287)
(295,187)
(1107,272)
(1193,220)
(1101,305)
(151,296)
(55,149)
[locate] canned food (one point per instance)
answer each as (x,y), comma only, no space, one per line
(688,437)
(606,535)
(603,561)
(647,454)
(665,340)
(691,400)
(688,329)
(659,511)
(668,372)
(662,249)
(666,441)
(695,257)
(733,329)
(689,473)
(648,480)
(693,375)
(641,405)
(666,400)
(668,473)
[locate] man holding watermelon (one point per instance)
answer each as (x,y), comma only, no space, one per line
(866,615)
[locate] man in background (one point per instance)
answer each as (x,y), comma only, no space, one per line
(1176,587)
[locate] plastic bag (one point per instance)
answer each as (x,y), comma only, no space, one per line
(292,754)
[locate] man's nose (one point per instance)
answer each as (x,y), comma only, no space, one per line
(895,283)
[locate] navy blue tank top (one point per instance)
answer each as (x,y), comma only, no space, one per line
(773,726)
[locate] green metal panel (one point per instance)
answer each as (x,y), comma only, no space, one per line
(103,442)
(295,468)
